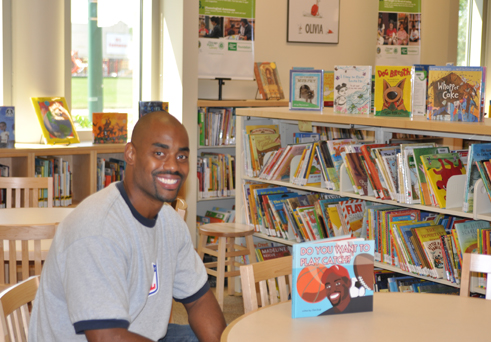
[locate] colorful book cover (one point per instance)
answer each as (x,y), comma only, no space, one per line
(110,128)
(332,277)
(336,147)
(358,173)
(467,235)
(7,127)
(477,152)
(306,89)
(268,80)
(269,253)
(454,93)
(145,107)
(353,211)
(282,172)
(418,152)
(429,238)
(262,144)
(393,90)
(55,120)
(352,89)
(328,88)
(439,168)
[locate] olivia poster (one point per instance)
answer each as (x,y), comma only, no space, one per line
(313,21)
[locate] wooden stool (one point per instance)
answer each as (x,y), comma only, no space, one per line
(225,252)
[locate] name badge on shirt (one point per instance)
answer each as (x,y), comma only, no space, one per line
(154,288)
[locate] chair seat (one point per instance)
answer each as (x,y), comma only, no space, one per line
(226,230)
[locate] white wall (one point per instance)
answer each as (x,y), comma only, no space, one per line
(357,35)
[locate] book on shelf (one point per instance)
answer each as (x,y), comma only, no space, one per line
(306,89)
(332,276)
(60,171)
(215,174)
(328,88)
(216,126)
(393,90)
(352,89)
(55,120)
(477,152)
(268,253)
(110,128)
(454,93)
(268,81)
(420,89)
(429,239)
(7,126)
(145,107)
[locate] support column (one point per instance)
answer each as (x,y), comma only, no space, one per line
(95,78)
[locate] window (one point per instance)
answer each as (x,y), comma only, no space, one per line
(105,57)
(471,14)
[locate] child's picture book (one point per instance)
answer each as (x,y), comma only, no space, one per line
(467,235)
(438,169)
(393,90)
(420,86)
(352,89)
(328,88)
(477,152)
(7,127)
(110,128)
(332,276)
(145,107)
(454,93)
(306,89)
(268,81)
(55,120)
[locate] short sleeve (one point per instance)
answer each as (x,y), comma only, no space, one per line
(95,283)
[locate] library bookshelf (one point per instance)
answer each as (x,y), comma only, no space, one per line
(82,159)
(204,204)
(452,134)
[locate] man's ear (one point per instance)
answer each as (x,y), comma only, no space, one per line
(130,153)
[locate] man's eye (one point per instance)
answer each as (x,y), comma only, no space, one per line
(182,157)
(159,153)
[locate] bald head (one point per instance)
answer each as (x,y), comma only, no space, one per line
(154,120)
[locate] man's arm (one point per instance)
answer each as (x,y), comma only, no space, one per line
(115,334)
(206,318)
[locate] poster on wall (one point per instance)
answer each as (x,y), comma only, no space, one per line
(398,32)
(313,21)
(226,39)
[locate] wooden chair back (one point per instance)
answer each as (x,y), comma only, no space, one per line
(24,191)
(475,263)
(24,245)
(14,310)
(267,274)
(181,207)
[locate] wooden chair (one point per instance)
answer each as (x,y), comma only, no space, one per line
(266,274)
(24,191)
(14,310)
(181,206)
(19,238)
(475,263)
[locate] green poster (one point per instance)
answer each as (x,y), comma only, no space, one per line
(408,6)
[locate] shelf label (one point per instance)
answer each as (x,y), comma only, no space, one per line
(305,126)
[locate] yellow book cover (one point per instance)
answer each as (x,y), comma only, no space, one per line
(335,221)
(55,120)
(393,90)
(262,129)
(328,88)
(262,144)
(429,237)
(439,168)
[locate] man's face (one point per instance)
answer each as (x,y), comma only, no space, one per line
(337,289)
(162,162)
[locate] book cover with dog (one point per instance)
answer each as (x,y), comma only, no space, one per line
(393,90)
(454,93)
(306,89)
(352,89)
(332,276)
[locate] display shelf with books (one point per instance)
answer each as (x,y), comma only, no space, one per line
(288,123)
(80,159)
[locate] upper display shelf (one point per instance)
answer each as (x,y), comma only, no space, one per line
(243,103)
(327,116)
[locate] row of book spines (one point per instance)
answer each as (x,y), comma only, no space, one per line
(332,133)
(59,170)
(216,175)
(109,171)
(216,126)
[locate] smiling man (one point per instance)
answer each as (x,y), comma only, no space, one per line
(118,260)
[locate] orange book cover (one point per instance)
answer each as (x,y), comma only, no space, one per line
(110,128)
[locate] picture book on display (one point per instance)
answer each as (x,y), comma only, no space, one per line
(420,89)
(268,81)
(454,93)
(145,107)
(352,89)
(332,276)
(7,127)
(110,128)
(306,89)
(393,90)
(477,152)
(328,88)
(55,120)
